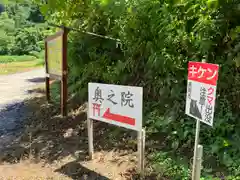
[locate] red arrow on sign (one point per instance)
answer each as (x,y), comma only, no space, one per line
(118,118)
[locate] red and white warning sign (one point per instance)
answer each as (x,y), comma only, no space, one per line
(116,104)
(201,91)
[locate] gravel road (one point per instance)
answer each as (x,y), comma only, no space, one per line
(14,89)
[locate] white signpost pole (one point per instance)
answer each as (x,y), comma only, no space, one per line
(196,145)
(199,162)
(195,149)
(143,150)
(140,153)
(90,135)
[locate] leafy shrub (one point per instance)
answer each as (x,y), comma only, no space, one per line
(27,40)
(168,167)
(21,28)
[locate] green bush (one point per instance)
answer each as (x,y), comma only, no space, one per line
(21,28)
(27,40)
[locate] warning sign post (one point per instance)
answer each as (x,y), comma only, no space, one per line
(200,101)
(201,91)
(117,105)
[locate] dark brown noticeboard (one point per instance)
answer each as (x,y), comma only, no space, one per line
(56,64)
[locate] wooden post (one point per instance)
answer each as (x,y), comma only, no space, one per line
(64,92)
(47,79)
(47,82)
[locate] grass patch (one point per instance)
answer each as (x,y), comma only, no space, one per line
(14,67)
(14,64)
(165,166)
(10,59)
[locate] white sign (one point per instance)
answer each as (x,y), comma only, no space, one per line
(201,91)
(116,104)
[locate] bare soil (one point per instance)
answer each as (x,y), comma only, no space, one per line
(37,143)
(52,147)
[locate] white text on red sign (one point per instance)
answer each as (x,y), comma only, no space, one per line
(203,72)
(201,91)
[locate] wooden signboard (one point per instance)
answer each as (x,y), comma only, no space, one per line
(56,64)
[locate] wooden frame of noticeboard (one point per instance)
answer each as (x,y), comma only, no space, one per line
(56,65)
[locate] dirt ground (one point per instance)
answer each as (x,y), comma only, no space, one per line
(27,170)
(103,167)
(15,87)
(52,147)
(37,143)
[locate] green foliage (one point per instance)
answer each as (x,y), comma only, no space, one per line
(6,30)
(5,40)
(158,38)
(27,40)
(6,24)
(168,168)
(20,29)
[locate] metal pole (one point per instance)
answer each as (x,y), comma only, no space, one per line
(140,153)
(199,162)
(196,146)
(90,138)
(90,135)
(143,152)
(195,150)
